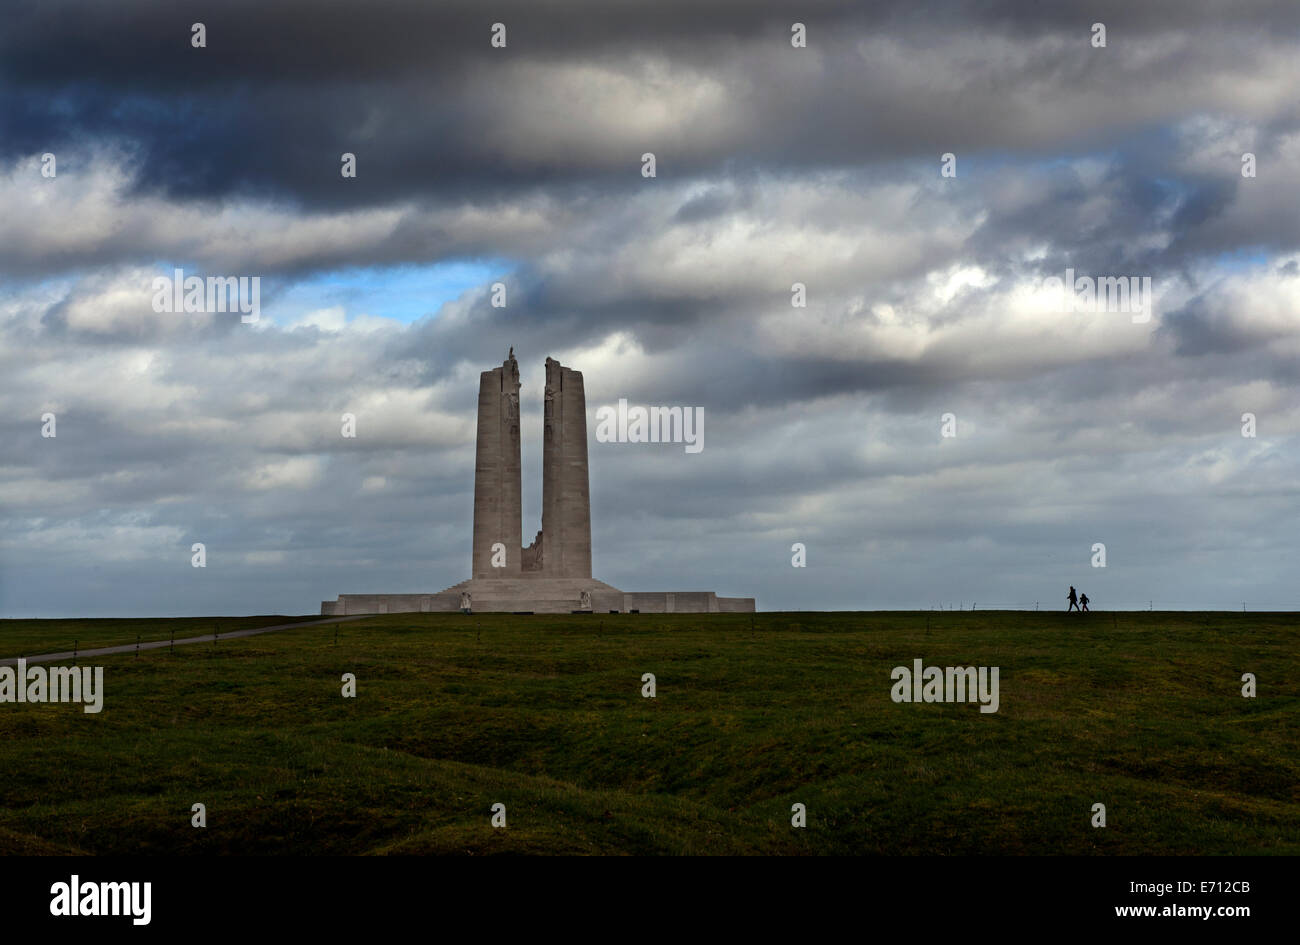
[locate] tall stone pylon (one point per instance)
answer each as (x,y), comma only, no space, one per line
(566,496)
(498,506)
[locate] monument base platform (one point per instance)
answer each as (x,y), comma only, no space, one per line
(539,595)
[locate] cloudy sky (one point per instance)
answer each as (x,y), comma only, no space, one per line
(774,165)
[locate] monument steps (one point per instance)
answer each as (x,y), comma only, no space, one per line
(546,588)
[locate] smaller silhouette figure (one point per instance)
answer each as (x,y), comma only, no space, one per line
(1083,604)
(1073,599)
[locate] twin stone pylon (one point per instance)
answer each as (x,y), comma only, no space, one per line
(552,575)
(562,549)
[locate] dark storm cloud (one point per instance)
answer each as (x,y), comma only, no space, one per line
(416,91)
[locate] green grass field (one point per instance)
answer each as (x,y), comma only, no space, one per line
(1142,712)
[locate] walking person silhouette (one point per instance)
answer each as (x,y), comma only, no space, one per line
(1074,600)
(1083,604)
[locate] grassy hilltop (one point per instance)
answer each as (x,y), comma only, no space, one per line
(1139,711)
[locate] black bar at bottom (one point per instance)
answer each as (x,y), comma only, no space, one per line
(939,896)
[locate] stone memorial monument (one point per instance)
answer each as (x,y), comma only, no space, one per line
(552,574)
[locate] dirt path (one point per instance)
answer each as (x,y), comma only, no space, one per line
(160,644)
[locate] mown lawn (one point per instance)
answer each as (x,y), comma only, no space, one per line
(1142,712)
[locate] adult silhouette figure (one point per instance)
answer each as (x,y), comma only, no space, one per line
(1073,599)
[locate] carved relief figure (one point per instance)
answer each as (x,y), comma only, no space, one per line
(533,555)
